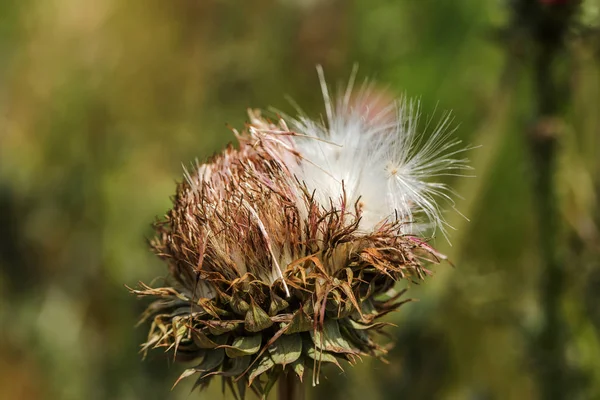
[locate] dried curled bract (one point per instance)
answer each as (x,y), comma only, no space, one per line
(269,271)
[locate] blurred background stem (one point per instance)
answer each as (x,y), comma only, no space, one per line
(546,23)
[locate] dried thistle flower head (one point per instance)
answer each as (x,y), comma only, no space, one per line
(283,253)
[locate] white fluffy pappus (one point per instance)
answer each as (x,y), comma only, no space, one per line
(371,149)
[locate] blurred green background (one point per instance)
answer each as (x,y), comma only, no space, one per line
(102,101)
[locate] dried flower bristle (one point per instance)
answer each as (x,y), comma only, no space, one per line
(264,277)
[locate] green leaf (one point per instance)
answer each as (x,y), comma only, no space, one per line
(211,361)
(209,306)
(273,376)
(309,308)
(371,290)
(298,367)
(180,326)
(264,364)
(347,289)
(368,308)
(205,342)
(359,338)
(239,305)
(277,304)
(241,385)
(220,327)
(300,323)
(357,325)
(188,351)
(244,346)
(329,338)
(237,367)
(337,306)
(182,311)
(256,319)
(286,349)
(320,356)
(188,372)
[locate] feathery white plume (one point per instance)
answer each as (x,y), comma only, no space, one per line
(373,150)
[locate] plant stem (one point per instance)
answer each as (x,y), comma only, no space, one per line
(547,26)
(289,388)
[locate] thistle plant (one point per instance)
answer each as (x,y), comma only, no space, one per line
(283,252)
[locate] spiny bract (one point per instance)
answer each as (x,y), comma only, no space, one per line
(283,253)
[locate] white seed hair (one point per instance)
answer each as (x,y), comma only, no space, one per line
(379,158)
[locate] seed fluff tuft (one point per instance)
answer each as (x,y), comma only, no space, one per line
(374,147)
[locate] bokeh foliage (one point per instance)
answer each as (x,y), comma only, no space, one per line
(102,101)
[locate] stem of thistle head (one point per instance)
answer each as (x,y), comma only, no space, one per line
(289,387)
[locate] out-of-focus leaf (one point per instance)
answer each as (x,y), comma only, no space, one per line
(237,367)
(188,372)
(264,364)
(212,360)
(273,376)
